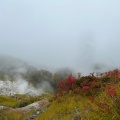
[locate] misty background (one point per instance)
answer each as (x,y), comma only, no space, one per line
(51,34)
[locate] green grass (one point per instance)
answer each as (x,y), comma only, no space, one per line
(64,106)
(94,98)
(22,100)
(8,114)
(11,114)
(8,101)
(26,115)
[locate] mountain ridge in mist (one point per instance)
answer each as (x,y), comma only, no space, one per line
(11,65)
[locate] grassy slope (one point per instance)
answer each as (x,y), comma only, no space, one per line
(97,99)
(21,101)
(63,108)
(102,105)
(8,101)
(9,114)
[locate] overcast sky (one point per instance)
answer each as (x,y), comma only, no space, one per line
(61,33)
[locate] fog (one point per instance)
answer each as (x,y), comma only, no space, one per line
(16,78)
(51,34)
(18,86)
(21,86)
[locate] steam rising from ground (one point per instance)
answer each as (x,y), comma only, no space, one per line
(12,81)
(21,86)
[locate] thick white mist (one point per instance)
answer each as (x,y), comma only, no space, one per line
(21,86)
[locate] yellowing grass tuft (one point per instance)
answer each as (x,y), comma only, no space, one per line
(7,114)
(8,101)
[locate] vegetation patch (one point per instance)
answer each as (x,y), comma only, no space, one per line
(88,98)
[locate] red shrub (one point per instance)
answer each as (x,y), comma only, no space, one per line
(111,92)
(114,74)
(70,82)
(91,98)
(90,85)
(61,86)
(105,106)
(78,90)
(85,88)
(66,85)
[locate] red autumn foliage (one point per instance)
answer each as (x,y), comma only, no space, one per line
(93,85)
(90,85)
(66,85)
(85,88)
(78,90)
(114,74)
(105,106)
(70,82)
(91,99)
(61,85)
(111,92)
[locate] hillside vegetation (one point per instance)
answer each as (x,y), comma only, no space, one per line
(93,97)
